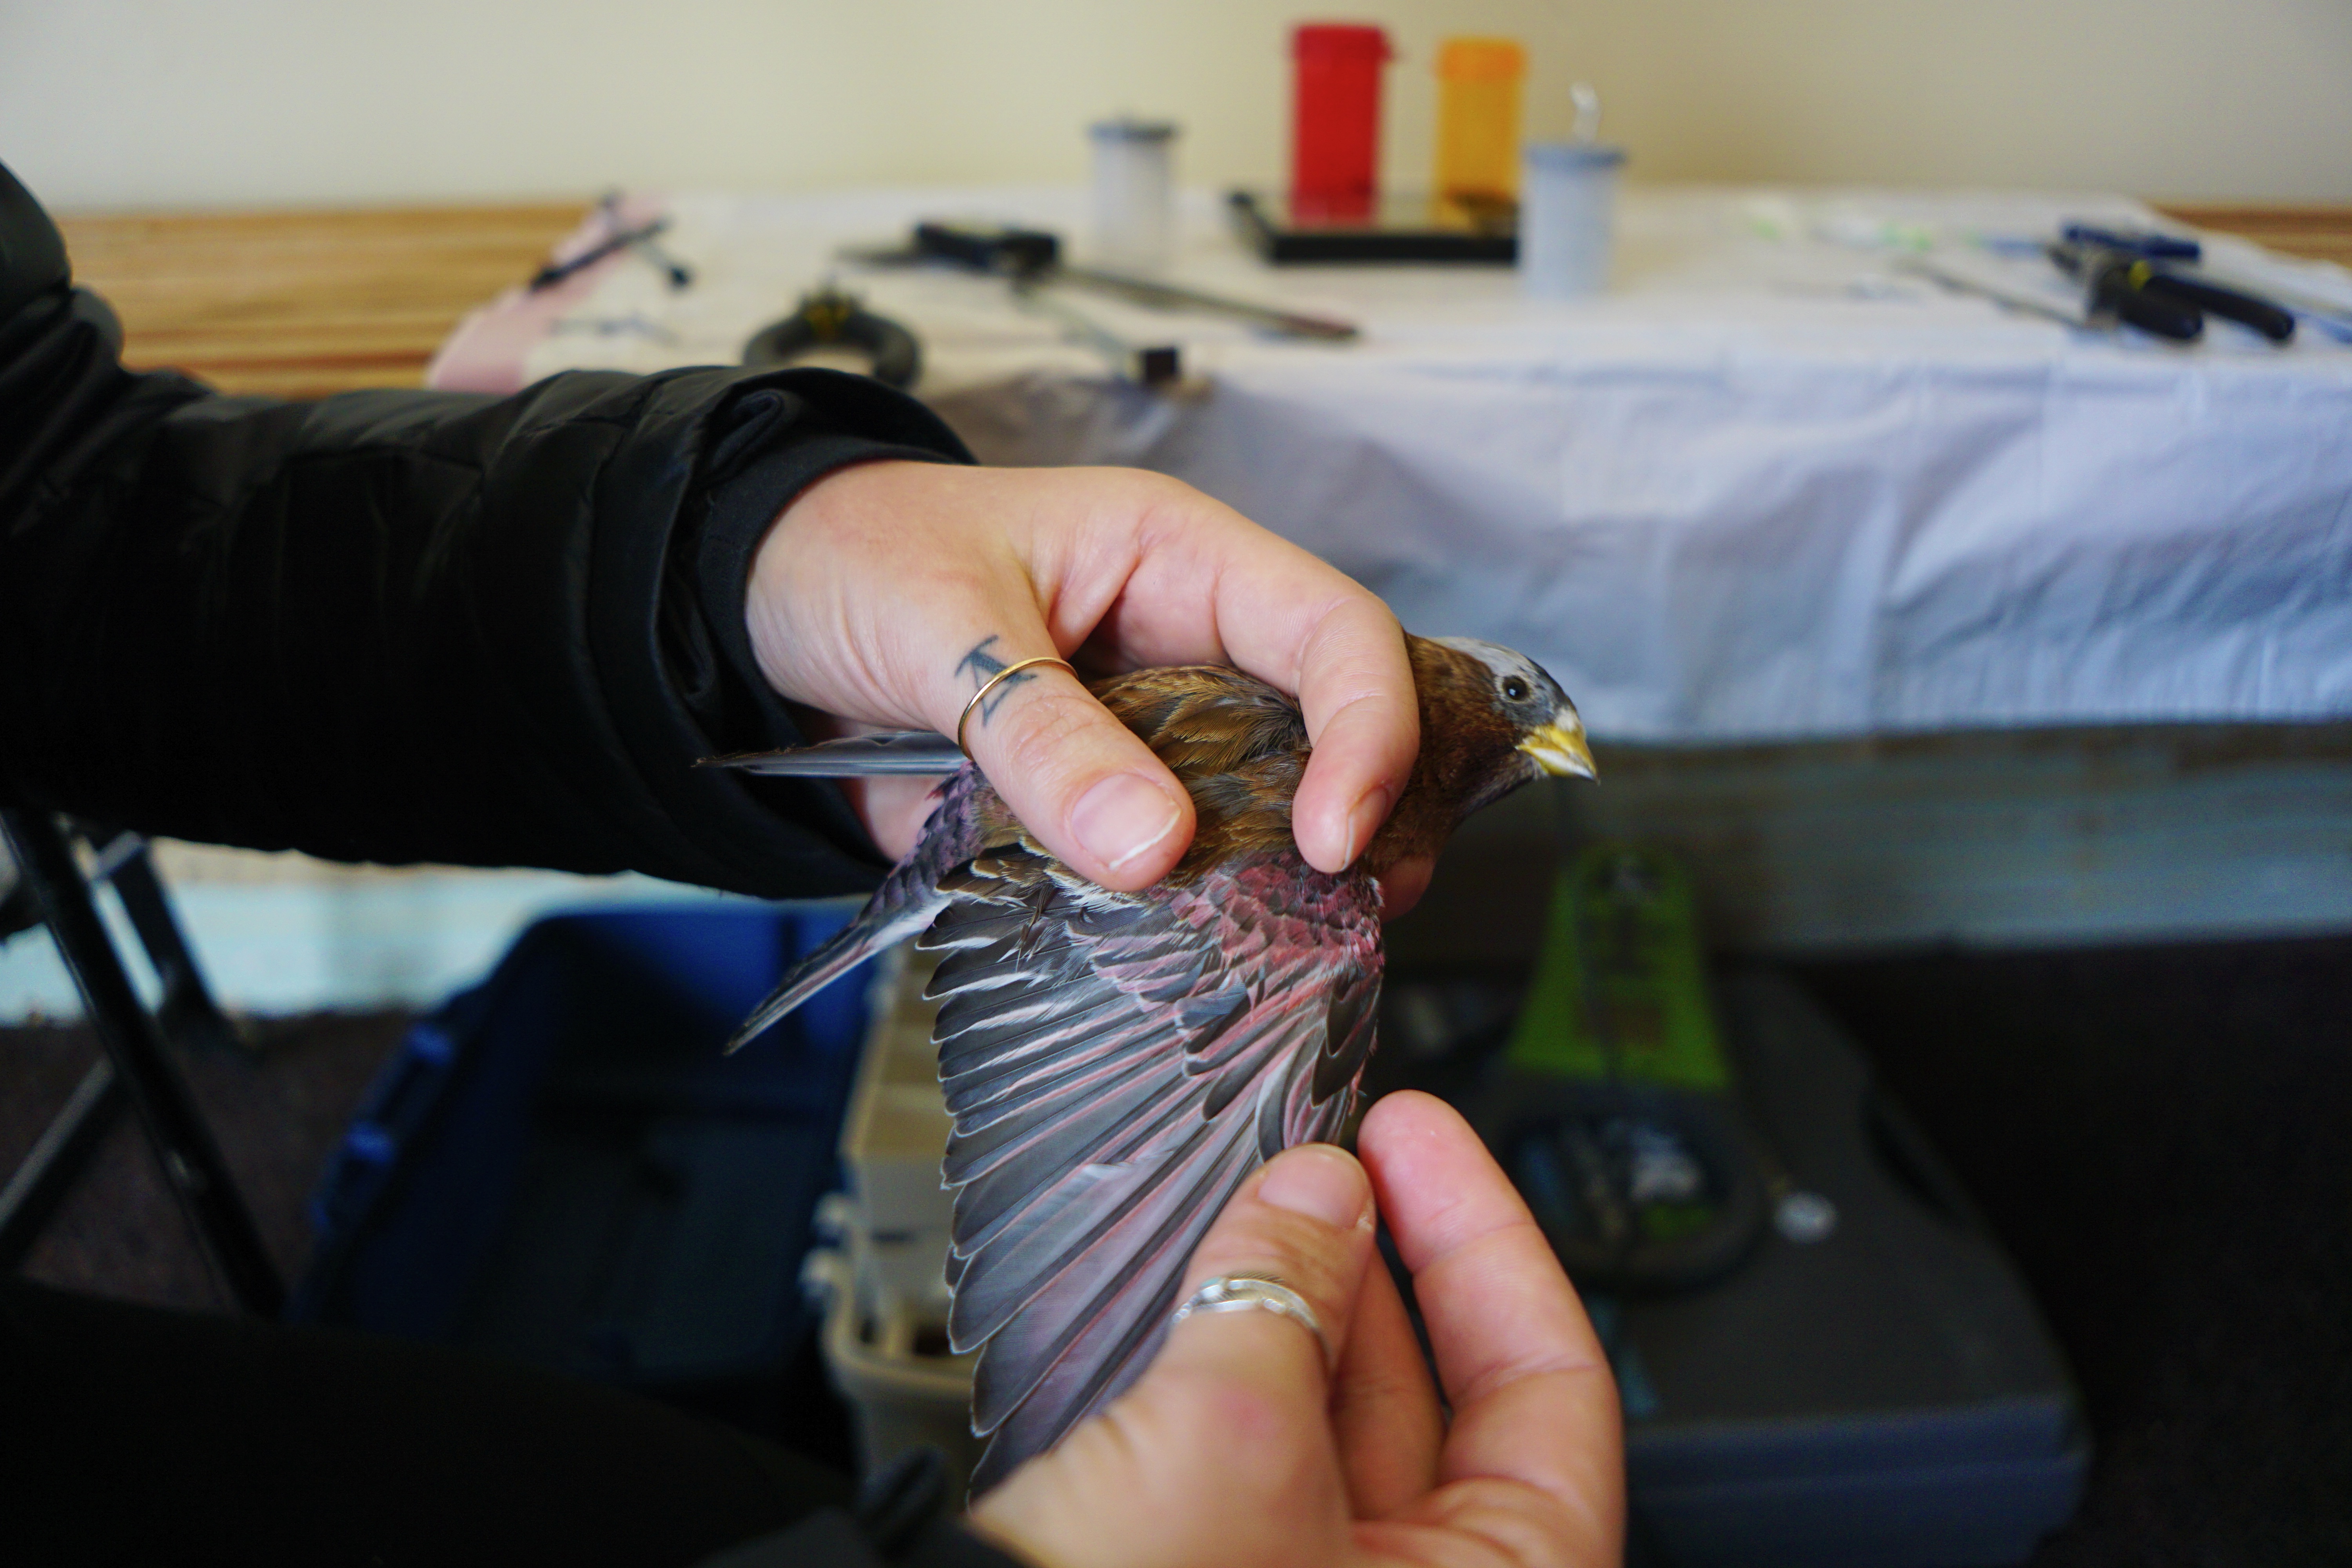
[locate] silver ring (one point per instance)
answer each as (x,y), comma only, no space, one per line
(1249,1293)
(1015,667)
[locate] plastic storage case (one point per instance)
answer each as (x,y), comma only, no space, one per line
(883,1276)
(1870,1386)
(1876,1393)
(561,1167)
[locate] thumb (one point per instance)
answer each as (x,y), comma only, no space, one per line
(1080,781)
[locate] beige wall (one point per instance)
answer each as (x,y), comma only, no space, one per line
(135,102)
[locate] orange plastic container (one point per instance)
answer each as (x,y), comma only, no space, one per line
(1478,117)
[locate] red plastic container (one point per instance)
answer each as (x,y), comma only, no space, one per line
(1335,153)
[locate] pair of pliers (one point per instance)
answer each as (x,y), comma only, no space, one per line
(2136,283)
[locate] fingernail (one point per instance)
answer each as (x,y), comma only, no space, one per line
(1120,818)
(1322,1184)
(1364,821)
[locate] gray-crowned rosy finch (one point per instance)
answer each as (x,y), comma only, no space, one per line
(1117,1063)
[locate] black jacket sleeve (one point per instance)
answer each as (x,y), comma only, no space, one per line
(408,626)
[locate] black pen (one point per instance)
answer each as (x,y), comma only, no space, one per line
(555,272)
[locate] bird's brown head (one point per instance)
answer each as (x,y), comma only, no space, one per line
(1491,721)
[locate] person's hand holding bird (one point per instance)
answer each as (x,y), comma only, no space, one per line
(890,591)
(1159,893)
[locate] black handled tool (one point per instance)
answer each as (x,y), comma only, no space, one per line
(2114,285)
(986,247)
(2152,296)
(1033,258)
(2274,323)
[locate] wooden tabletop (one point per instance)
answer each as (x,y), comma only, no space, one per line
(300,304)
(2322,233)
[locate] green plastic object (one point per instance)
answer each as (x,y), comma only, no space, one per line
(1620,990)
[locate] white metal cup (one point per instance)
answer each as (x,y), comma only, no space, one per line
(1135,197)
(1568,198)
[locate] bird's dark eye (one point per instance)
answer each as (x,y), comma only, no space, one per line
(1515,689)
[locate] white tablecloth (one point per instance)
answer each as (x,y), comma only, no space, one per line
(1770,486)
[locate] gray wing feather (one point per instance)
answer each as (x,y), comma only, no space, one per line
(853,756)
(904,904)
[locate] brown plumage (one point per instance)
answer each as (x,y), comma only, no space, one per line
(1240,747)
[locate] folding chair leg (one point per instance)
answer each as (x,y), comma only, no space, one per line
(188,1013)
(134,1043)
(34,1193)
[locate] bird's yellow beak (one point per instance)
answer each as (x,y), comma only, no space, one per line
(1559,748)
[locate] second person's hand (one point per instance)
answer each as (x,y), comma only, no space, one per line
(1241,1447)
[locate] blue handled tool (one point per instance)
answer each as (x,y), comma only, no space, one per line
(2148,245)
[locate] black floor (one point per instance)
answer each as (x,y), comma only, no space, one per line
(2162,1136)
(278,1114)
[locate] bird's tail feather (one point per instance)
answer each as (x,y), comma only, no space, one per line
(853,756)
(876,928)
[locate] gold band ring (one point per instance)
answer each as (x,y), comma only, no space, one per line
(1015,667)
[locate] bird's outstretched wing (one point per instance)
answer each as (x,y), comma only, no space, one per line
(1116,1065)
